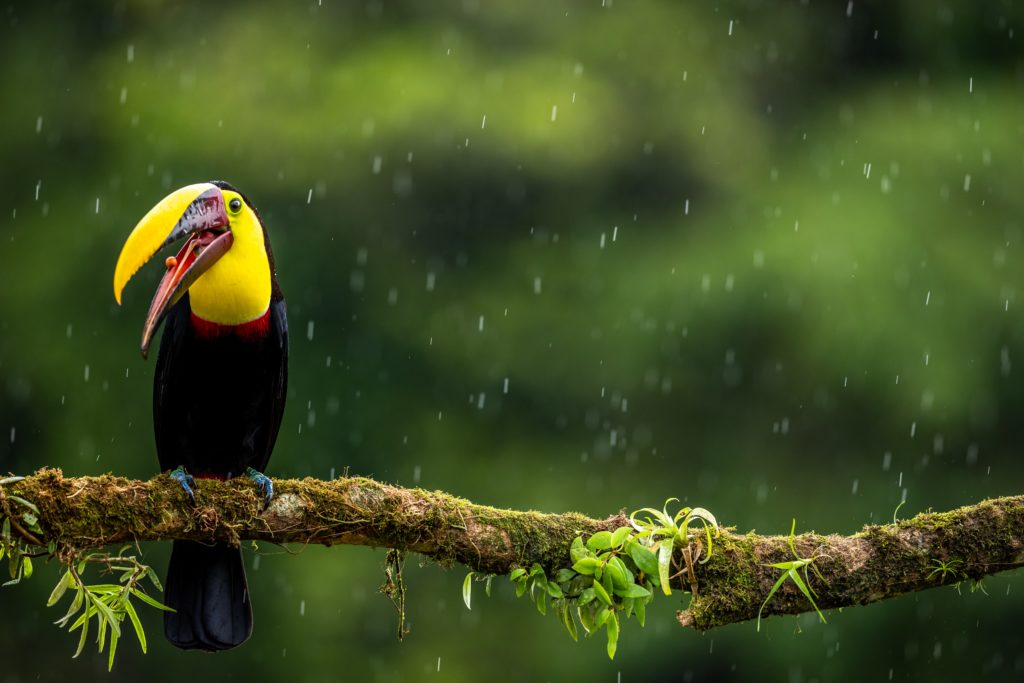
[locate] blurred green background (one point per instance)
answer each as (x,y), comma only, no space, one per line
(764,257)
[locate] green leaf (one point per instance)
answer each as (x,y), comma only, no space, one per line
(602,594)
(602,540)
(795,575)
(517,574)
(587,566)
(587,619)
(614,575)
(154,579)
(542,602)
(30,519)
(625,576)
(58,591)
(467,590)
(554,591)
(601,618)
(85,631)
(150,601)
(487,585)
(536,570)
(619,535)
(567,620)
(577,551)
(521,587)
(139,632)
(10,480)
(632,591)
(640,608)
(76,605)
(645,560)
(613,635)
(664,564)
(19,499)
(113,649)
(565,575)
(26,566)
(586,595)
(778,582)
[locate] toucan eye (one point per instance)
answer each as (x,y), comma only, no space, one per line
(235,205)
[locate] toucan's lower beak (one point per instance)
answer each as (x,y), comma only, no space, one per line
(196,257)
(196,212)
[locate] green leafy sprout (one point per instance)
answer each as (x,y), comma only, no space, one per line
(614,574)
(943,568)
(791,570)
(108,604)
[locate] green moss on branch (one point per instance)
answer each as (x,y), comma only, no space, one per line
(932,549)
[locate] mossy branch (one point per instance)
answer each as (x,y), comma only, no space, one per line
(884,561)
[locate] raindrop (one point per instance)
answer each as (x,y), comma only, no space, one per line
(302,608)
(913,429)
(602,240)
(131,54)
(309,197)
(39,124)
(255,563)
(554,112)
(86,373)
(686,208)
(480,325)
(430,282)
(536,285)
(1004,361)
(13,431)
(886,461)
(480,401)
(483,123)
(730,27)
(416,472)
(972,454)
(856,485)
(377,163)
(392,296)
(615,232)
(504,388)
(309,330)
(967,183)
(970,84)
(39,185)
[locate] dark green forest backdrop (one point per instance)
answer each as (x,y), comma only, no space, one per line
(765,257)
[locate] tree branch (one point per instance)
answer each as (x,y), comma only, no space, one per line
(879,562)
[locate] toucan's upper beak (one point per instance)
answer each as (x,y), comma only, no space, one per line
(196,212)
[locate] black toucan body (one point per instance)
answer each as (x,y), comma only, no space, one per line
(220,384)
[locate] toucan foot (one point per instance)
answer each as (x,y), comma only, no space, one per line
(263,482)
(187,481)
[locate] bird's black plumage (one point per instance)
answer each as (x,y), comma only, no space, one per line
(218,397)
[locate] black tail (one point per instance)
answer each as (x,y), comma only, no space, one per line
(206,586)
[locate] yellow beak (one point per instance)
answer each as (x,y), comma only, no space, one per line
(192,208)
(196,212)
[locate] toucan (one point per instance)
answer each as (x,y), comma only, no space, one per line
(220,384)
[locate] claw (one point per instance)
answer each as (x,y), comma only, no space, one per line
(186,480)
(263,482)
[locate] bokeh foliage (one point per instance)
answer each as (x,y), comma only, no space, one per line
(761,256)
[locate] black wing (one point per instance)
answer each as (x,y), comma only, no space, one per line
(278,355)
